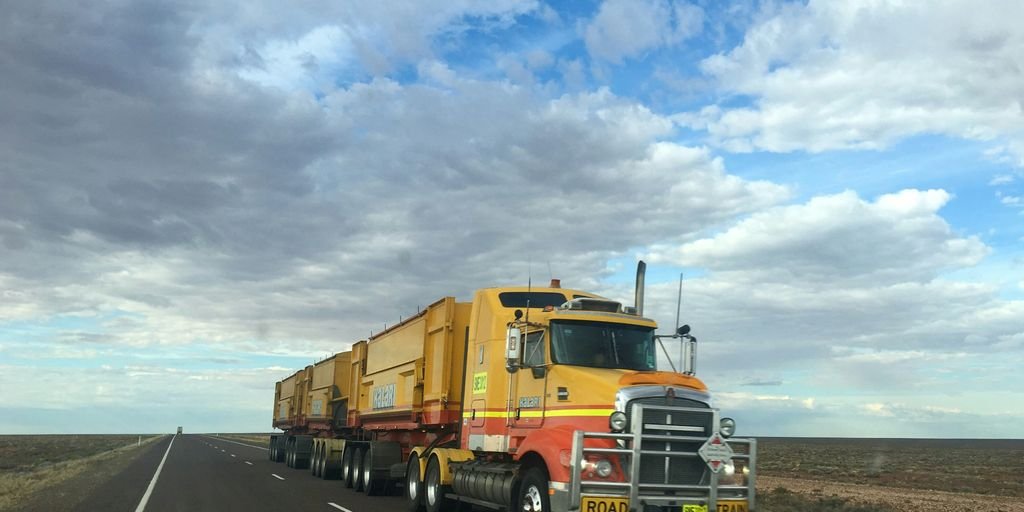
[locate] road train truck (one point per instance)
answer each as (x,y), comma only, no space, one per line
(527,398)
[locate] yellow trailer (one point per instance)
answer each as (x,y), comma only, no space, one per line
(410,375)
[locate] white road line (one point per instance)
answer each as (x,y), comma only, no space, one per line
(224,451)
(243,444)
(232,455)
(249,463)
(272,474)
(339,507)
(152,483)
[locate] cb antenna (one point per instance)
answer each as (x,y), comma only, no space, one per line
(529,290)
(679,299)
(679,306)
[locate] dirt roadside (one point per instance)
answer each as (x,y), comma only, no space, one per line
(905,500)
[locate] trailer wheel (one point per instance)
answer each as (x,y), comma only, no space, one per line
(289,452)
(372,486)
(321,459)
(346,466)
(312,457)
(413,485)
(321,466)
(357,470)
(316,466)
(532,495)
(276,449)
(270,449)
(433,492)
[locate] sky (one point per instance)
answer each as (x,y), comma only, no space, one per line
(198,198)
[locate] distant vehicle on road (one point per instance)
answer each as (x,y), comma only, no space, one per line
(179,430)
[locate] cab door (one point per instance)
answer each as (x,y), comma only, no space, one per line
(531,382)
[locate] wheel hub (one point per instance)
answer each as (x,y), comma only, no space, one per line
(532,500)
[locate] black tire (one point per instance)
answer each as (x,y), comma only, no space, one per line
(302,449)
(532,493)
(357,470)
(321,457)
(316,466)
(321,470)
(289,453)
(372,485)
(312,458)
(413,485)
(279,450)
(270,449)
(433,492)
(346,466)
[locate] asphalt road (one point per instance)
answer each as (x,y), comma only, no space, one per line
(203,473)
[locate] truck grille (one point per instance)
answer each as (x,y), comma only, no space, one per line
(655,469)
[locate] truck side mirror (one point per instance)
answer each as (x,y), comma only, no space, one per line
(683,330)
(512,349)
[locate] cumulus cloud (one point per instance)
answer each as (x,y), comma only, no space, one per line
(830,75)
(155,397)
(857,286)
(897,238)
(309,47)
(229,212)
(627,29)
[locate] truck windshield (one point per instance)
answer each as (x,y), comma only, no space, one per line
(603,345)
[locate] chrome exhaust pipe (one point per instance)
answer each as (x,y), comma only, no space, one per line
(638,295)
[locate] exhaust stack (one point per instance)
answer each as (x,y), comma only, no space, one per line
(638,295)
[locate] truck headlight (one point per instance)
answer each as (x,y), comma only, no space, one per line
(727,426)
(593,465)
(734,472)
(617,421)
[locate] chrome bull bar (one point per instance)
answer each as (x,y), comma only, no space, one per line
(706,492)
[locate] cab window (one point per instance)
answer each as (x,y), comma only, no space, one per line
(533,349)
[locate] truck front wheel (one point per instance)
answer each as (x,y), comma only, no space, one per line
(533,491)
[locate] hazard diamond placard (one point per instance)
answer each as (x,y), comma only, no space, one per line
(716,452)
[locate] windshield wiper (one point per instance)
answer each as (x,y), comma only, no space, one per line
(615,350)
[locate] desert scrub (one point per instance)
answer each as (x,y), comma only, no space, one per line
(781,499)
(959,465)
(29,464)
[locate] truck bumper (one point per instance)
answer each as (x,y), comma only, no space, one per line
(705,490)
